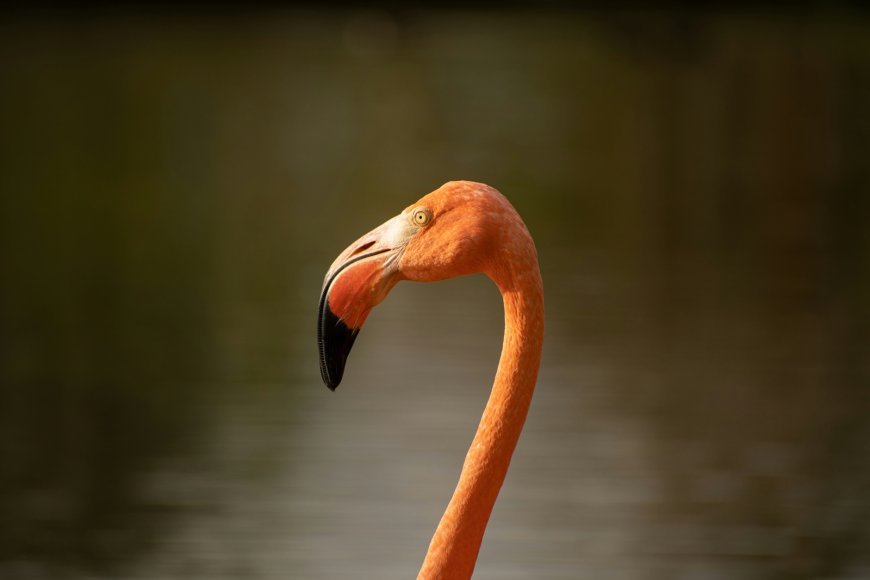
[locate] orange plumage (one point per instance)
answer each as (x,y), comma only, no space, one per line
(461,228)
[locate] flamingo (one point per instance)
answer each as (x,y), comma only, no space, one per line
(461,228)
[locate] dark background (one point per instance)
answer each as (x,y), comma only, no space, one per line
(174,182)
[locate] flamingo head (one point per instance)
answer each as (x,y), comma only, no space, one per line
(450,232)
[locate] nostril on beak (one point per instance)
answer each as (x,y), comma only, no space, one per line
(363,248)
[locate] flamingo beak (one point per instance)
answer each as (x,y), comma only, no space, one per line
(358,280)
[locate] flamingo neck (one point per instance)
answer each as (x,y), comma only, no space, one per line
(454,548)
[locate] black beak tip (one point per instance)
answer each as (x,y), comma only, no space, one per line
(334,339)
(331,373)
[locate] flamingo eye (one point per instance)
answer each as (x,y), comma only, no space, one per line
(421,216)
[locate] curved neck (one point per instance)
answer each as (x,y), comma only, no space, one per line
(453,551)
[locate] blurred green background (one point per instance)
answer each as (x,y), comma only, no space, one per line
(174,184)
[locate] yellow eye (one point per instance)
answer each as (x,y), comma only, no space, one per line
(421,216)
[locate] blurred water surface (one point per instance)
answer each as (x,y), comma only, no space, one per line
(175,185)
